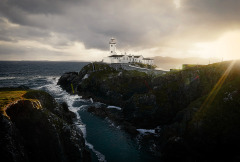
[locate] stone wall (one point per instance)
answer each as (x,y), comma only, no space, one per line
(128,66)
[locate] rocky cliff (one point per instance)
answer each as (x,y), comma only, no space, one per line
(36,128)
(196,109)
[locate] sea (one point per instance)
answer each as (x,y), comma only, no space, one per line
(106,141)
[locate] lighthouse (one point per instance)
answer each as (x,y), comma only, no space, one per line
(112,45)
(123,58)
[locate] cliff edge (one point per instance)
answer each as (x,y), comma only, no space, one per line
(36,128)
(193,114)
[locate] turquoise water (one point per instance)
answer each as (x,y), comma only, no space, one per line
(112,142)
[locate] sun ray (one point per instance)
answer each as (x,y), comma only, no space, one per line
(218,86)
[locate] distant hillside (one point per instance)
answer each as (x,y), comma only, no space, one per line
(167,63)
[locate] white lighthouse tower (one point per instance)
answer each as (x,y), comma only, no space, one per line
(112,44)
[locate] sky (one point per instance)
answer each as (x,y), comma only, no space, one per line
(79,30)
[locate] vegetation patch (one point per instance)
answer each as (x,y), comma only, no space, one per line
(12,96)
(8,97)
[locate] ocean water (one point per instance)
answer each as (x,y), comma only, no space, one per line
(105,141)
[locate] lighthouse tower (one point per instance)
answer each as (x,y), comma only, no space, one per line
(112,44)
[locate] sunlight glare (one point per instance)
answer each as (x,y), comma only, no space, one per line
(226,47)
(218,86)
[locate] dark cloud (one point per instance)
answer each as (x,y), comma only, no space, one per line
(39,6)
(94,22)
(211,17)
(136,24)
(213,9)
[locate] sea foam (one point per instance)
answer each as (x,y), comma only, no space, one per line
(63,96)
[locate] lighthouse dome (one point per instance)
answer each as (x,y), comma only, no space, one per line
(112,41)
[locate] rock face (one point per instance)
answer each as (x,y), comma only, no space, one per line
(40,132)
(196,109)
(68,80)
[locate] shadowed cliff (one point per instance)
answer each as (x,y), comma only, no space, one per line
(196,109)
(36,128)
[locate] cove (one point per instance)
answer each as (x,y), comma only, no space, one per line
(115,144)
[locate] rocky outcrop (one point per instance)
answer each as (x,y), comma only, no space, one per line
(191,107)
(36,128)
(11,144)
(69,81)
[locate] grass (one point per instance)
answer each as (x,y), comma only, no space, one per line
(9,97)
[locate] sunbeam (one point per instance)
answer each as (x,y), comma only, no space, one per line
(218,86)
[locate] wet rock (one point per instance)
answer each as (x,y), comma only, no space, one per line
(130,128)
(69,81)
(102,112)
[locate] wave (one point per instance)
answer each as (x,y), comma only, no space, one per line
(7,78)
(22,77)
(100,156)
(62,96)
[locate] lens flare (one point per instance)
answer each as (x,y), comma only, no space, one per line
(218,86)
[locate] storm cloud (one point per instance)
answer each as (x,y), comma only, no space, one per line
(137,24)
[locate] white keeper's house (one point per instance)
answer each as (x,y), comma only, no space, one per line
(124,58)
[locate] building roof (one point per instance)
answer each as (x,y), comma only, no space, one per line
(147,59)
(116,56)
(137,56)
